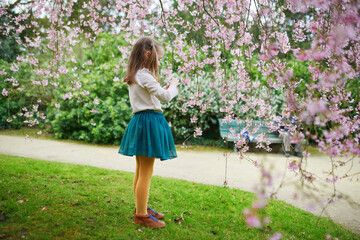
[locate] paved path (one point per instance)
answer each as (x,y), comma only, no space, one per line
(204,167)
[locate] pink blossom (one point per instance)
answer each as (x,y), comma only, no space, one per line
(276,236)
(294,165)
(266,220)
(63,70)
(197,132)
(41,115)
(35,107)
(333,179)
(253,221)
(96,101)
(283,41)
(192,52)
(259,204)
(14,67)
(85,93)
(316,106)
(39,71)
(213,84)
(4,92)
(298,5)
(264,57)
(301,55)
(295,196)
(194,119)
(186,81)
(297,137)
(67,96)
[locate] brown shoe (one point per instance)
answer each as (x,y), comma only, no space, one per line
(148,221)
(153,213)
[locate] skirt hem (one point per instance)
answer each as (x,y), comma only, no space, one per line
(161,159)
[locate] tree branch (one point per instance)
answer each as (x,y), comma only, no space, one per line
(209,14)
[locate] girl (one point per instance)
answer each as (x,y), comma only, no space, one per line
(148,135)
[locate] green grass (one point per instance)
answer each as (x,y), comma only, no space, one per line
(51,200)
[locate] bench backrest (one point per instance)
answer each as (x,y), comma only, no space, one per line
(239,125)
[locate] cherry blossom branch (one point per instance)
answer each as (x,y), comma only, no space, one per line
(203,1)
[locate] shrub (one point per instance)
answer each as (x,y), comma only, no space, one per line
(100,110)
(12,98)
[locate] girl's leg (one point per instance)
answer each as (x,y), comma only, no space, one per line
(136,177)
(143,184)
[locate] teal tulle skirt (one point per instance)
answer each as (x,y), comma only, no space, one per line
(148,134)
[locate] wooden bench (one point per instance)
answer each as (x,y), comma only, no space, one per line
(239,125)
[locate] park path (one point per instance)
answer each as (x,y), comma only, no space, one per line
(204,167)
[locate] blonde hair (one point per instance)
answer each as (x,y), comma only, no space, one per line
(137,58)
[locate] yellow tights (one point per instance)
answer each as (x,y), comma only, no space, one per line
(143,174)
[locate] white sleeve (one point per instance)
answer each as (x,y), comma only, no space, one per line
(154,88)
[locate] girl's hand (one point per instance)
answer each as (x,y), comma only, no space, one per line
(167,86)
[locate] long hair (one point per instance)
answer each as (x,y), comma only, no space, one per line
(137,58)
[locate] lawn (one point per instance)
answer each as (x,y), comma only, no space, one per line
(50,200)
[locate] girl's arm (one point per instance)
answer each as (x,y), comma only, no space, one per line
(154,88)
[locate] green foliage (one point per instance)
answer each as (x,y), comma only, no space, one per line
(74,121)
(9,48)
(300,72)
(80,118)
(11,104)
